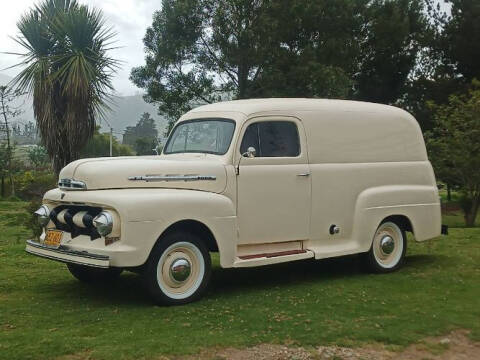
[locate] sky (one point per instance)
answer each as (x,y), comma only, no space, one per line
(129,18)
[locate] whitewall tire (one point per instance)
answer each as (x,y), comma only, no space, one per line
(178,269)
(388,248)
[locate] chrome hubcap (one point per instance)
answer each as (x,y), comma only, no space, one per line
(387,245)
(180,270)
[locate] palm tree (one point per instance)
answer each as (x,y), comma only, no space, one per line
(68,73)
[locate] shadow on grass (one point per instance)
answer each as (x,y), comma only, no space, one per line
(129,288)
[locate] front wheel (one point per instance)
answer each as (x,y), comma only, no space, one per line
(388,248)
(178,269)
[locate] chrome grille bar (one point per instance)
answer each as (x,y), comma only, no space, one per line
(153,178)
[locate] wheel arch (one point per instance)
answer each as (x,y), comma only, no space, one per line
(195,227)
(401,220)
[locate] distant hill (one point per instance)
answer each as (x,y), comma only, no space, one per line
(125,111)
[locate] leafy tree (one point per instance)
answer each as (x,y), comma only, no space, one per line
(395,31)
(38,157)
(202,51)
(67,71)
(314,56)
(454,147)
(7,112)
(449,60)
(3,166)
(145,146)
(145,128)
(99,145)
(460,38)
(199,50)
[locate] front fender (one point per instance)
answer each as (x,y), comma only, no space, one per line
(146,213)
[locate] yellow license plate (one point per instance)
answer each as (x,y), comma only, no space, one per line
(53,238)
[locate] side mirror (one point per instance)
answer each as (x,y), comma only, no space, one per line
(251,152)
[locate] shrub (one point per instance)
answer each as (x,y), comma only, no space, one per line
(30,221)
(33,184)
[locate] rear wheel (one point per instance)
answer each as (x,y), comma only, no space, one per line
(90,274)
(178,270)
(388,248)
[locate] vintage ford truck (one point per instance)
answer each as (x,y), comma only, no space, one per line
(258,181)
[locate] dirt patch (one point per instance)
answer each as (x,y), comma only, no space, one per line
(454,346)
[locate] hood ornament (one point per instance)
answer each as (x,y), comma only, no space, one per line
(71,184)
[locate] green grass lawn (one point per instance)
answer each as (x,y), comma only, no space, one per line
(46,313)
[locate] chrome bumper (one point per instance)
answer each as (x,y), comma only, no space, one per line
(67,256)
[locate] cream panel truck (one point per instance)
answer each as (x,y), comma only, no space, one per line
(258,181)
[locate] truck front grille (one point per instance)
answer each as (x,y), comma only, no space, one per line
(63,218)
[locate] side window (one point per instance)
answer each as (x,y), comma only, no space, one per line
(272,139)
(250,138)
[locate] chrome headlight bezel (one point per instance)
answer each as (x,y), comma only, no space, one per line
(103,222)
(43,215)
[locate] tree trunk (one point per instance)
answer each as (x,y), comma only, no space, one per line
(9,145)
(12,185)
(471,215)
(3,186)
(449,193)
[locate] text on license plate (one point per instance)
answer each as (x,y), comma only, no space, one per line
(53,238)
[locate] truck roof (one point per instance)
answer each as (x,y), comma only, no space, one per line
(252,106)
(337,131)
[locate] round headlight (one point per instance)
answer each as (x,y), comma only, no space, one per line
(43,215)
(103,222)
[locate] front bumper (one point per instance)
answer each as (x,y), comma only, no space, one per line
(68,256)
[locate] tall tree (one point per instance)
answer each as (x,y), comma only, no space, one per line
(144,129)
(201,51)
(460,38)
(312,48)
(198,51)
(449,60)
(67,71)
(395,32)
(7,112)
(454,147)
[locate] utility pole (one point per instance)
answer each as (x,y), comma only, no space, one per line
(111,136)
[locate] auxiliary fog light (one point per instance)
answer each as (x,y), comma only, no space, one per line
(103,222)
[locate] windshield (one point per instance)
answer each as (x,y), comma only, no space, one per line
(211,136)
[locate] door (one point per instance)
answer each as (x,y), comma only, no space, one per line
(274,190)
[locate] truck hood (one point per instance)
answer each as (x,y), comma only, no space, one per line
(196,172)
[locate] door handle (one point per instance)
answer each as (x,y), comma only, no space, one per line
(304,174)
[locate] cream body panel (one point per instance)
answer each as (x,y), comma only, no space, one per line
(352,136)
(114,173)
(273,195)
(357,197)
(146,213)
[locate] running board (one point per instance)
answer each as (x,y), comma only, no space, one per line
(272,258)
